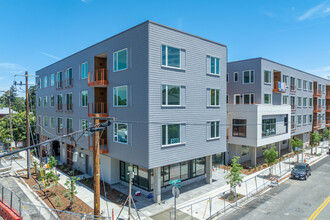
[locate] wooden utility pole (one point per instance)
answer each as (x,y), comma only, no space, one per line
(10,120)
(96,155)
(27,124)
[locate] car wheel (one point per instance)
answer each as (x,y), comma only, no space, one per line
(305,177)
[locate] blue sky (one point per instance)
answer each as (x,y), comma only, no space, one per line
(36,33)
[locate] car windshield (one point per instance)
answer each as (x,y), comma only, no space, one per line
(299,167)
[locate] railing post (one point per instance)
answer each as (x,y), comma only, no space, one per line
(191,212)
(2,193)
(255,179)
(210,208)
(20,209)
(247,192)
(11,199)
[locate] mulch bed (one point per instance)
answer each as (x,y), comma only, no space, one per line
(113,195)
(68,170)
(230,197)
(55,196)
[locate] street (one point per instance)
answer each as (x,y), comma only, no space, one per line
(293,199)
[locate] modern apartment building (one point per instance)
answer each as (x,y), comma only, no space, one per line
(268,103)
(166,90)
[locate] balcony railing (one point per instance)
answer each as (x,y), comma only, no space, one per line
(327,95)
(293,107)
(277,88)
(68,131)
(68,108)
(68,83)
(293,88)
(328,108)
(327,123)
(59,130)
(98,109)
(317,125)
(59,107)
(317,93)
(98,78)
(317,108)
(59,85)
(103,145)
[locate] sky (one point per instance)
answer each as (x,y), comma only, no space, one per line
(37,33)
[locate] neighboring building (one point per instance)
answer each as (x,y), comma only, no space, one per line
(268,103)
(5,111)
(166,90)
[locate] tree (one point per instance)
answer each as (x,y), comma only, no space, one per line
(326,134)
(71,186)
(270,157)
(234,177)
(295,144)
(315,139)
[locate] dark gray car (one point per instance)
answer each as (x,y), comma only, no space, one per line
(301,171)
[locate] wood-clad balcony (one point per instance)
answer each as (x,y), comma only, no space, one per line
(98,78)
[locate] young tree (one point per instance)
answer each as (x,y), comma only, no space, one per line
(315,139)
(295,144)
(234,177)
(71,186)
(270,157)
(326,134)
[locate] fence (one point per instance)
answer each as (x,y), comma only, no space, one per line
(220,204)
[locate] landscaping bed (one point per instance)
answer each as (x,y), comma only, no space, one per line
(55,196)
(68,170)
(230,197)
(113,195)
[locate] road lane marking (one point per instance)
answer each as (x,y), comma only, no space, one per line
(319,209)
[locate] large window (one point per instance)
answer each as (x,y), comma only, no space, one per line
(248,98)
(239,127)
(293,122)
(268,127)
(120,96)
(120,132)
(248,76)
(84,70)
(267,76)
(170,95)
(45,82)
(171,56)
(171,134)
(214,97)
(215,129)
(214,65)
(52,79)
(120,60)
(84,98)
(245,150)
(267,99)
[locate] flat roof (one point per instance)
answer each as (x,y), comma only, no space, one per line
(148,21)
(261,58)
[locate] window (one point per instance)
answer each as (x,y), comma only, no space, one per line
(268,127)
(305,119)
(237,99)
(310,119)
(84,98)
(323,88)
(310,102)
(69,125)
(39,101)
(310,86)
(214,97)
(84,70)
(305,102)
(59,102)
(236,77)
(39,83)
(214,67)
(299,101)
(69,102)
(59,83)
(299,120)
(305,85)
(120,60)
(239,128)
(45,121)
(171,134)
(52,100)
(45,101)
(69,77)
(45,82)
(215,129)
(248,98)
(52,122)
(293,122)
(171,56)
(52,79)
(299,83)
(267,99)
(293,101)
(120,132)
(227,99)
(120,96)
(245,150)
(285,100)
(286,79)
(84,124)
(227,77)
(60,123)
(171,95)
(248,76)
(323,102)
(267,76)
(292,83)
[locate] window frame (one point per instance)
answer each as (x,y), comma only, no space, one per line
(166,94)
(45,81)
(287,99)
(310,86)
(274,124)
(237,126)
(285,79)
(81,99)
(270,96)
(166,133)
(250,82)
(247,153)
(299,98)
(216,130)
(52,104)
(51,124)
(305,85)
(115,124)
(310,121)
(215,96)
(45,103)
(305,102)
(113,97)
(270,77)
(81,70)
(299,116)
(44,121)
(81,123)
(166,57)
(234,76)
(299,84)
(239,96)
(115,58)
(216,68)
(250,95)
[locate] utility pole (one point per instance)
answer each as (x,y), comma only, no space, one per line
(10,120)
(96,155)
(27,124)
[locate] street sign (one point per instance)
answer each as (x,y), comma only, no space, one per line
(173,182)
(175,191)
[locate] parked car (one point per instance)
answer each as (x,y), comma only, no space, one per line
(301,171)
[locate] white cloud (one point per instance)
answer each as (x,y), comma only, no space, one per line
(49,55)
(320,10)
(322,71)
(11,68)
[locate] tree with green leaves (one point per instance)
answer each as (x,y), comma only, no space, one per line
(71,186)
(296,143)
(315,139)
(270,157)
(234,177)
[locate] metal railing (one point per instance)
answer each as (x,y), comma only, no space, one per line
(98,77)
(98,109)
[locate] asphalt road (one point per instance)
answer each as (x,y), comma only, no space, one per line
(293,199)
